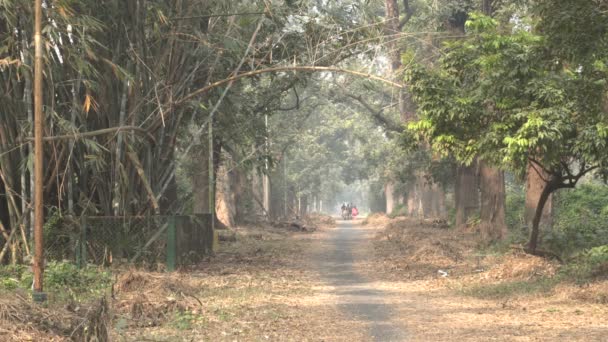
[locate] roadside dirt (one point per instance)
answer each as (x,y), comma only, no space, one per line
(444,290)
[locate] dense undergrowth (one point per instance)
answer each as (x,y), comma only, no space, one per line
(578,234)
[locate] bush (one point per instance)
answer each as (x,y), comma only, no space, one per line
(399,210)
(580,221)
(515,209)
(590,264)
(60,236)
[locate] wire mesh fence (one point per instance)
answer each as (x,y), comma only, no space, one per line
(168,241)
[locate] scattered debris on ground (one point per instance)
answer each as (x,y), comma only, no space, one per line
(309,223)
(23,320)
(258,287)
(450,289)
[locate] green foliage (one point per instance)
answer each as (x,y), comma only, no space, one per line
(186,320)
(515,208)
(63,280)
(501,97)
(580,221)
(60,236)
(399,210)
(504,290)
(589,265)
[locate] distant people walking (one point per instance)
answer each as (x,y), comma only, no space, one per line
(355,211)
(347,211)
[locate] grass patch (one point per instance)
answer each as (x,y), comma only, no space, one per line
(511,289)
(62,280)
(186,320)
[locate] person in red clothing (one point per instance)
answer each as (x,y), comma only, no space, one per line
(355,211)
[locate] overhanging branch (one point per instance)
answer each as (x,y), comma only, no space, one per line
(282,69)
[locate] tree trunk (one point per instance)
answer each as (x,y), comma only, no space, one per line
(437,208)
(428,198)
(535,184)
(389,193)
(225,199)
(466,194)
(303,205)
(266,193)
(239,186)
(538,214)
(492,213)
(200,181)
(413,200)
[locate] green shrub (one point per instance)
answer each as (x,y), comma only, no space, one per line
(61,234)
(580,221)
(399,210)
(515,209)
(186,320)
(64,279)
(589,264)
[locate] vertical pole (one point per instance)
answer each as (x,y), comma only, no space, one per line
(211,176)
(38,158)
(285,184)
(171,244)
(265,177)
(82,246)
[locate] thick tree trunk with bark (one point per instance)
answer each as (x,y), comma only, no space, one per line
(535,184)
(492,213)
(466,194)
(548,189)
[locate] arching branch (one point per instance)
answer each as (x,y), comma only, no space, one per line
(281,69)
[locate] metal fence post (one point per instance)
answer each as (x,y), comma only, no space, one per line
(171,244)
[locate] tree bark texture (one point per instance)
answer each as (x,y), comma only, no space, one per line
(548,189)
(466,194)
(535,184)
(492,213)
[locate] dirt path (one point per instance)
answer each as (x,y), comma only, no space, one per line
(346,282)
(354,295)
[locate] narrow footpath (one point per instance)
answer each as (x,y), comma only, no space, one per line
(356,297)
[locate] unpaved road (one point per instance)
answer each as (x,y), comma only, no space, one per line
(355,296)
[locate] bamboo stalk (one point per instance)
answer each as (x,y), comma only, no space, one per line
(142,176)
